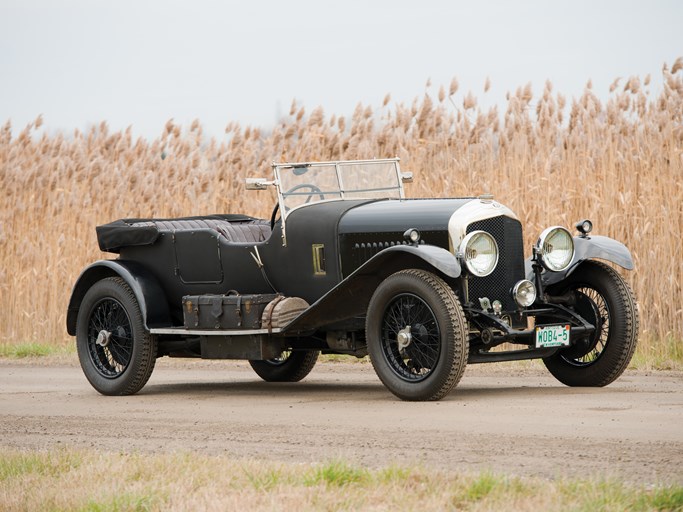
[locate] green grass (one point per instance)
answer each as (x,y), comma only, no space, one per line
(659,354)
(70,479)
(481,487)
(337,473)
(32,349)
(614,495)
(124,502)
(665,498)
(37,464)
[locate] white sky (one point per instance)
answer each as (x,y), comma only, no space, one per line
(142,62)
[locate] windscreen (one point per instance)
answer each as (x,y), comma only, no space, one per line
(302,184)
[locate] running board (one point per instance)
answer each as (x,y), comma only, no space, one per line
(213,332)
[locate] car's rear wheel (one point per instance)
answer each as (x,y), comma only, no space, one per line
(417,335)
(291,366)
(116,352)
(605,300)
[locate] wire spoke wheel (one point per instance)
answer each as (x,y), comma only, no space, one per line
(605,301)
(417,335)
(116,352)
(417,360)
(110,338)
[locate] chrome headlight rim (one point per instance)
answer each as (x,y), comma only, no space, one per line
(544,251)
(463,252)
(519,297)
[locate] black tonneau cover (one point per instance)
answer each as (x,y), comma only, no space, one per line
(129,232)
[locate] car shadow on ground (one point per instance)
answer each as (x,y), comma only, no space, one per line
(349,390)
(258,387)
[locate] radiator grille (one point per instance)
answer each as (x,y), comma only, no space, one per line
(510,269)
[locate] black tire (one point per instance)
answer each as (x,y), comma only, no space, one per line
(123,360)
(606,301)
(291,366)
(435,357)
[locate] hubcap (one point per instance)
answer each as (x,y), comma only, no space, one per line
(103,338)
(404,338)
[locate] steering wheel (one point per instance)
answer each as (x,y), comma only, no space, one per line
(314,191)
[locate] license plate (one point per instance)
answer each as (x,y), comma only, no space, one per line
(552,336)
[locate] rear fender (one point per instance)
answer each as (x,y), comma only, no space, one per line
(147,290)
(351,296)
(586,248)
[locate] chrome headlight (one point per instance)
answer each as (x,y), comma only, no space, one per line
(524,293)
(479,252)
(556,248)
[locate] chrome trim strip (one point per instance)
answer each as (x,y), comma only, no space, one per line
(334,162)
(214,332)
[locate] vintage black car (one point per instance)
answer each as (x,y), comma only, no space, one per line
(347,265)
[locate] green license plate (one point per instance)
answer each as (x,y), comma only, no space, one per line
(552,336)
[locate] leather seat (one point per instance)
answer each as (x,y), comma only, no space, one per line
(253,231)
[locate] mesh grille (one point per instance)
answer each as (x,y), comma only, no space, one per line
(498,285)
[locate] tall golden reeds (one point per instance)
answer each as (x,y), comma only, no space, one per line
(618,162)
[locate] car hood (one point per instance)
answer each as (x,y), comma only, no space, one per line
(391,216)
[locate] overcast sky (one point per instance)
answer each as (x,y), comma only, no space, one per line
(141,62)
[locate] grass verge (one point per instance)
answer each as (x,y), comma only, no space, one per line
(32,349)
(70,479)
(661,354)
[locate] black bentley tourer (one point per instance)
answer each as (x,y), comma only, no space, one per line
(347,265)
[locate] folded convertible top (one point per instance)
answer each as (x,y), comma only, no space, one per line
(129,232)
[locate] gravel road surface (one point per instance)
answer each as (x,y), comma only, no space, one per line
(508,419)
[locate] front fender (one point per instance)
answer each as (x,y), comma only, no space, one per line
(352,295)
(440,259)
(586,248)
(147,290)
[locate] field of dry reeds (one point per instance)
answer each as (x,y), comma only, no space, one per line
(553,160)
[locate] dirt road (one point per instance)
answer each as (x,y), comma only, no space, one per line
(511,420)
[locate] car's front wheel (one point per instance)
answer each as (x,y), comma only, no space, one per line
(291,366)
(604,299)
(116,352)
(417,335)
